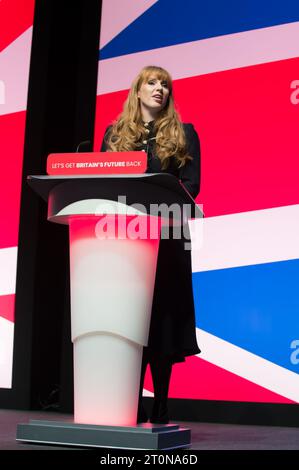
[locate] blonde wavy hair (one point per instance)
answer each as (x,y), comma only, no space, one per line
(128,130)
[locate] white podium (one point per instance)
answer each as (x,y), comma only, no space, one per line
(114,225)
(112,283)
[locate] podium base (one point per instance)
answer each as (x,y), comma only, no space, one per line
(139,437)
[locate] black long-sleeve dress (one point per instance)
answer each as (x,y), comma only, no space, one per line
(172,329)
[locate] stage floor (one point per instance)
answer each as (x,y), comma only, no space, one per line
(205,436)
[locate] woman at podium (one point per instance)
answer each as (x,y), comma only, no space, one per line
(150,122)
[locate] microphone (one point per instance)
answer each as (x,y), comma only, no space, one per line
(84,143)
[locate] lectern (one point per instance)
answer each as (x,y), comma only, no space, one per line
(114,226)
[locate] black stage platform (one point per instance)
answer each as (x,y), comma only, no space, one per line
(205,436)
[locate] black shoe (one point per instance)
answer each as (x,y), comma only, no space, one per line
(141,415)
(160,412)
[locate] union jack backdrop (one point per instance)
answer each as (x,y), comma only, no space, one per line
(16,17)
(235,67)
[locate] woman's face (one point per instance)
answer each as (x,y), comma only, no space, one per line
(153,95)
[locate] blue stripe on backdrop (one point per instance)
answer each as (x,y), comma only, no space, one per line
(170,22)
(253,307)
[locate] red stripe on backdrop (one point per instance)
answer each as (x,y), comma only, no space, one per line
(15,17)
(7,307)
(249,132)
(12,128)
(248,129)
(201,380)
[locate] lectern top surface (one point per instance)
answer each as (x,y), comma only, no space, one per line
(143,188)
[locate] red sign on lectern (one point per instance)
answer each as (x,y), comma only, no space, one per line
(96,163)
